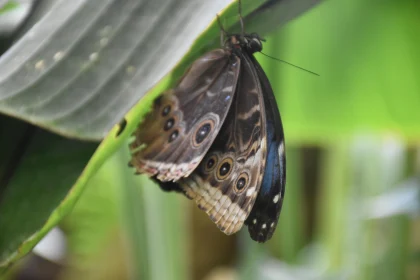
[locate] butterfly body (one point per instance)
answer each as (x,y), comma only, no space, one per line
(236,173)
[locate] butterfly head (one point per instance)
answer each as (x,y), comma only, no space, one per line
(250,42)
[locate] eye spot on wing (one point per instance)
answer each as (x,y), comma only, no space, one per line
(263,226)
(276,198)
(209,163)
(166,110)
(203,130)
(241,183)
(254,221)
(224,168)
(169,124)
(173,136)
(272,224)
(202,133)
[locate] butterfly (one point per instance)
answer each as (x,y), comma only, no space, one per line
(217,137)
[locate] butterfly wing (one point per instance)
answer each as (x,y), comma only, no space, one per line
(262,220)
(226,183)
(184,121)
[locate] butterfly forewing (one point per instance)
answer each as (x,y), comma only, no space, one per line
(264,216)
(184,121)
(226,183)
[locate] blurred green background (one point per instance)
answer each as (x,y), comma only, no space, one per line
(353,162)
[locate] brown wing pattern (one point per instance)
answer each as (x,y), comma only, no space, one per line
(184,121)
(227,181)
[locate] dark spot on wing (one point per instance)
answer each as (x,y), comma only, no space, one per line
(121,127)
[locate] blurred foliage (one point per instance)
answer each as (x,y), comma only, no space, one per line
(365,54)
(10,5)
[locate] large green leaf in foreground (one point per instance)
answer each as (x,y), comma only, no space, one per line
(85,63)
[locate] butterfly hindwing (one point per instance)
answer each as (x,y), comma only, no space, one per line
(226,183)
(184,121)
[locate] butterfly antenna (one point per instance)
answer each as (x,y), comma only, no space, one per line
(288,63)
(223,33)
(241,20)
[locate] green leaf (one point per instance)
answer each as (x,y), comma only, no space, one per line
(37,170)
(9,6)
(85,63)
